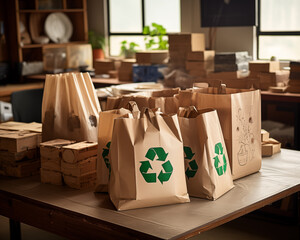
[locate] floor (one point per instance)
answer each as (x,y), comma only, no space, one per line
(245,228)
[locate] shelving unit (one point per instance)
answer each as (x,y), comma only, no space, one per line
(75,10)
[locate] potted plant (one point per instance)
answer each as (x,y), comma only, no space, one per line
(98,42)
(156,37)
(128,50)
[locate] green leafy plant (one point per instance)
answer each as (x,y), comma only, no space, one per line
(156,39)
(128,49)
(96,40)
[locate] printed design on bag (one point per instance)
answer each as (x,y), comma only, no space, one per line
(221,169)
(245,137)
(157,154)
(192,169)
(105,153)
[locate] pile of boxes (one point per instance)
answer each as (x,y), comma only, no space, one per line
(268,74)
(125,70)
(19,152)
(269,146)
(294,82)
(66,162)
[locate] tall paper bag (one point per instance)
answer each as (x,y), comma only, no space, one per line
(105,129)
(239,112)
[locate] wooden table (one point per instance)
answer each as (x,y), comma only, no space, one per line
(290,102)
(83,214)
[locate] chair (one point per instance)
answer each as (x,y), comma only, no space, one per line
(27,105)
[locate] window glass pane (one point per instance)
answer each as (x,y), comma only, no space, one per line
(115,43)
(125,16)
(282,47)
(163,12)
(280,15)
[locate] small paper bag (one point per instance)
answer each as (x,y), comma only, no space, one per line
(207,165)
(147,165)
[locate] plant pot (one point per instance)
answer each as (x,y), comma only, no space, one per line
(98,54)
(129,54)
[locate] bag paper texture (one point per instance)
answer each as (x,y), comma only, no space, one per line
(239,112)
(147,165)
(105,129)
(166,100)
(70,108)
(207,167)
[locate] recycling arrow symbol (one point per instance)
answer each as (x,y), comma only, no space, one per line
(105,153)
(193,167)
(219,150)
(167,167)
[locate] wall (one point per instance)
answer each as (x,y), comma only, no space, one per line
(227,38)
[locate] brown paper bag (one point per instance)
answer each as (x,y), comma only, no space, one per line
(105,129)
(70,108)
(207,167)
(147,165)
(166,100)
(239,112)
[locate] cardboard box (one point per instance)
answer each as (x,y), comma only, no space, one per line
(21,169)
(187,41)
(270,147)
(264,135)
(295,66)
(199,65)
(19,126)
(79,168)
(18,141)
(201,55)
(227,75)
(52,177)
(52,149)
(18,156)
(264,66)
(51,164)
(152,57)
(103,66)
(79,151)
(84,181)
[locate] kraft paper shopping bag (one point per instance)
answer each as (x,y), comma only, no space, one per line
(207,165)
(147,165)
(105,129)
(70,108)
(166,100)
(239,112)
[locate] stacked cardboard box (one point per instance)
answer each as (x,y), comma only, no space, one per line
(19,153)
(269,146)
(64,161)
(268,73)
(200,63)
(181,44)
(231,61)
(125,70)
(50,152)
(103,66)
(78,164)
(152,57)
(294,82)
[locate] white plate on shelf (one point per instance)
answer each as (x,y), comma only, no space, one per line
(58,27)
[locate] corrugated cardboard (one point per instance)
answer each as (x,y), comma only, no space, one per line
(270,147)
(152,57)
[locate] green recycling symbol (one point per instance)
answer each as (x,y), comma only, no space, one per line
(105,153)
(193,167)
(219,150)
(164,174)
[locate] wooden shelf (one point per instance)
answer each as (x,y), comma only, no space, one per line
(52,44)
(50,10)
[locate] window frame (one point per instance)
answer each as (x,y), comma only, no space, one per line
(259,32)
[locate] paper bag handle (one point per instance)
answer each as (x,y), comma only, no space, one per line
(221,87)
(132,106)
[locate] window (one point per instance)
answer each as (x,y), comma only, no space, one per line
(279,29)
(127,19)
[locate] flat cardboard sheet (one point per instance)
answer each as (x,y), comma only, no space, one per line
(279,174)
